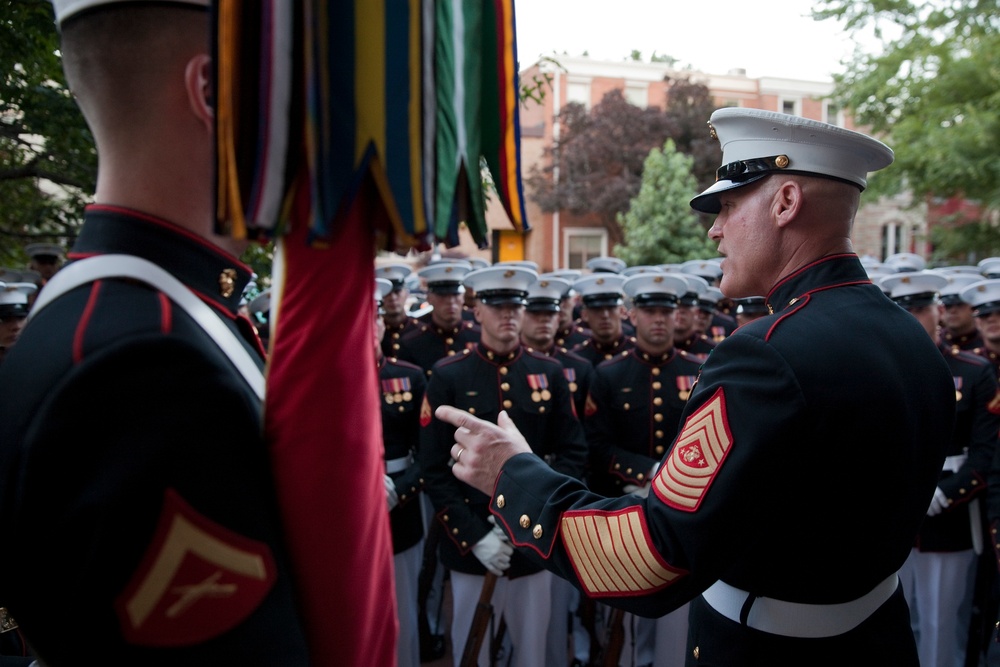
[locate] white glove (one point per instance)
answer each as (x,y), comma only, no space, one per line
(494,553)
(939,503)
(390,493)
(641,491)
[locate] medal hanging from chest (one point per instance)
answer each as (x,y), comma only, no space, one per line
(539,387)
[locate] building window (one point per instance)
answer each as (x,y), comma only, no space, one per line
(636,94)
(892,241)
(582,245)
(790,107)
(833,114)
(578,91)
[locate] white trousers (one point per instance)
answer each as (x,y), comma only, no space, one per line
(525,604)
(407,566)
(938,587)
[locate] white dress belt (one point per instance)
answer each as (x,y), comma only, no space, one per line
(129,266)
(392,466)
(953,463)
(795,619)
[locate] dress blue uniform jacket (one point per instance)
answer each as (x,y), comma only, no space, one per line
(808,453)
(532,389)
(134,473)
(632,414)
(977,426)
(427,343)
(596,352)
(402,392)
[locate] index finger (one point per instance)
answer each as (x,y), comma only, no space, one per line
(458,418)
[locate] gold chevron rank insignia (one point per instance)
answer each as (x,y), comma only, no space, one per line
(613,554)
(196,580)
(697,456)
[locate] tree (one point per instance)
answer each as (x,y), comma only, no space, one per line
(48,164)
(933,93)
(660,227)
(600,154)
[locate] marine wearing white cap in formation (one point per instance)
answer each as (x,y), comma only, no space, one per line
(402,388)
(903,262)
(989,267)
(958,324)
(546,294)
(710,270)
(687,335)
(601,312)
(629,271)
(914,289)
(499,285)
(397,319)
(633,412)
(497,374)
(606,265)
(756,143)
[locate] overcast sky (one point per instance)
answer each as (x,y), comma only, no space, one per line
(773,38)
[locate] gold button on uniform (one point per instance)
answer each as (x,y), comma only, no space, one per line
(472,411)
(505,386)
(537,531)
(657,385)
(696,653)
(657,401)
(658,417)
(449,341)
(503,370)
(655,371)
(659,449)
(525,521)
(507,403)
(500,501)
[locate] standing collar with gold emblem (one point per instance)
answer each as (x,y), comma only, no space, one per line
(213,274)
(831,271)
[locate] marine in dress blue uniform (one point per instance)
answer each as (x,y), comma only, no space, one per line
(123,418)
(15,302)
(687,336)
(632,415)
(541,319)
(444,333)
(958,324)
(601,296)
(132,459)
(749,515)
(984,296)
(939,577)
(402,392)
(544,299)
(717,325)
(532,390)
(398,322)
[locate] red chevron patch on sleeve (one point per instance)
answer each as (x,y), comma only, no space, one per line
(425,412)
(196,580)
(697,456)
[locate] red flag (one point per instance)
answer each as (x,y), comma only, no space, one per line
(323,419)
